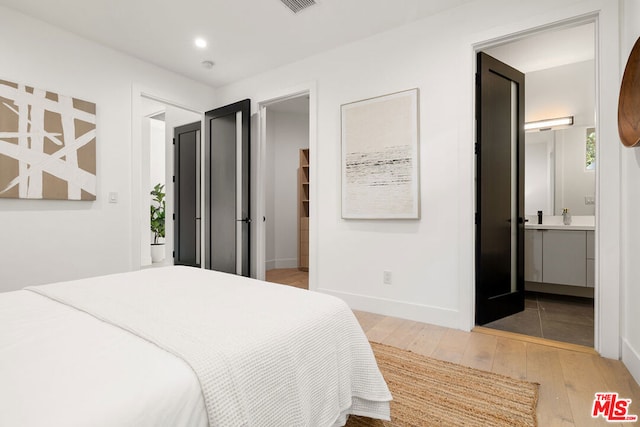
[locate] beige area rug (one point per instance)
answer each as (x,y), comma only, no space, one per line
(431,392)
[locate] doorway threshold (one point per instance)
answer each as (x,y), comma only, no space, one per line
(535,340)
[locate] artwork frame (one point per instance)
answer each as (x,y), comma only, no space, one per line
(380,158)
(47,144)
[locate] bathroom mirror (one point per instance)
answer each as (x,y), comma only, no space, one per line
(560,171)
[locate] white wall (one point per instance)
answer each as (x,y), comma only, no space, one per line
(157,150)
(432,258)
(568,90)
(630,164)
(287,133)
(45,241)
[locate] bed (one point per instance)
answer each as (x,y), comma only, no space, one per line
(181,346)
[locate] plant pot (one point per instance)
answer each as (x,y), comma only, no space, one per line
(157,252)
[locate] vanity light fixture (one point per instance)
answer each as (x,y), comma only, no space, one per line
(200,42)
(548,124)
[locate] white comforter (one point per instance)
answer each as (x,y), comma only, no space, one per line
(265,355)
(62,367)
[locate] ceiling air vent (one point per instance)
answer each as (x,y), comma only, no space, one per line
(298,5)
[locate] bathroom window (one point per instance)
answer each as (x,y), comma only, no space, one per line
(590,149)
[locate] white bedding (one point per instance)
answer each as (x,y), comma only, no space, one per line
(62,367)
(265,355)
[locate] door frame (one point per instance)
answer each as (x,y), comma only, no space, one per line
(608,196)
(139,156)
(310,90)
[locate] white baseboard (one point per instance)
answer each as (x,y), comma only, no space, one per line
(287,263)
(281,263)
(405,310)
(631,359)
(549,288)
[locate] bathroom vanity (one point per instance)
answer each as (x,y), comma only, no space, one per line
(558,254)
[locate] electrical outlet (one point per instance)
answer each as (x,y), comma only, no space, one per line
(589,200)
(386,277)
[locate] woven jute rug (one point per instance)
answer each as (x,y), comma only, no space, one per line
(430,392)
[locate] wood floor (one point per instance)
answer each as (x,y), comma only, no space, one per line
(568,376)
(289,276)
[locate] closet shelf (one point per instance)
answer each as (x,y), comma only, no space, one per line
(303,211)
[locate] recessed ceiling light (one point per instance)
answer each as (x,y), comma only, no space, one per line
(201,43)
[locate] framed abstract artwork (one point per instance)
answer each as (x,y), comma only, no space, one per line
(380,157)
(47,144)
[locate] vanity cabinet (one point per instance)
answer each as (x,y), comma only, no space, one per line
(533,255)
(591,255)
(564,257)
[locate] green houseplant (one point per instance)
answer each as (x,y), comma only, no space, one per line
(158,206)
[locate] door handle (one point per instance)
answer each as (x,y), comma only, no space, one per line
(520,220)
(247,220)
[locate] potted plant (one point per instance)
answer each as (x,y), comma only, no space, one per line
(157,222)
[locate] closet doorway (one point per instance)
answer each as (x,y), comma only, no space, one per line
(286,184)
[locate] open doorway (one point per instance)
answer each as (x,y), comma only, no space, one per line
(159,119)
(560,173)
(286,191)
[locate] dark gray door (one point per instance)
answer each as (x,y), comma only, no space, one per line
(187,195)
(227,222)
(500,190)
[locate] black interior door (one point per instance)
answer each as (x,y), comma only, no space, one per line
(187,195)
(227,221)
(500,190)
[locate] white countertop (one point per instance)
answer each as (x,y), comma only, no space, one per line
(554,222)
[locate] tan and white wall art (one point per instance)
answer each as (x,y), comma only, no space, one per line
(47,145)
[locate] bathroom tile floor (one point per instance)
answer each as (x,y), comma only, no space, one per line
(556,317)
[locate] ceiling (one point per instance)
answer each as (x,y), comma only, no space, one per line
(298,105)
(244,37)
(548,49)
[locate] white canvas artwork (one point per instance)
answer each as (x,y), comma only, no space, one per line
(47,144)
(380,157)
